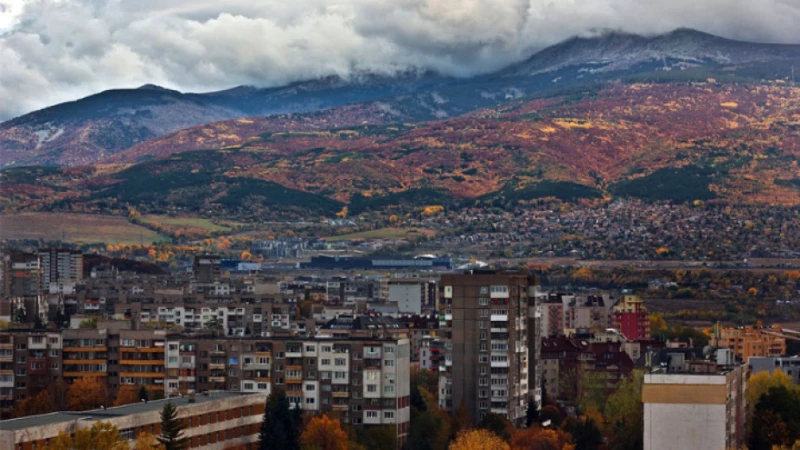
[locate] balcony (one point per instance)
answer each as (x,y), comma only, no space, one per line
(344,394)
(296,354)
(142,374)
(85,349)
(216,366)
(216,379)
(499,317)
(499,364)
(84,374)
(499,328)
(142,349)
(141,362)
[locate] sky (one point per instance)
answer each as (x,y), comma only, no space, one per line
(53,51)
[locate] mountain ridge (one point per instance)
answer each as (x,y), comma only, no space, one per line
(101,125)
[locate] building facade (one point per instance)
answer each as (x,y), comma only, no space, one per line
(704,407)
(485,336)
(629,317)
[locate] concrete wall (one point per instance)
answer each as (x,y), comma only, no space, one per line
(672,426)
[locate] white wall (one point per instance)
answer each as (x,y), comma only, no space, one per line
(670,426)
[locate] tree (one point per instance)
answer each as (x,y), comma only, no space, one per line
(536,438)
(127,394)
(478,440)
(657,324)
(532,413)
(101,435)
(624,414)
(58,391)
(429,429)
(87,393)
(324,433)
(40,404)
(280,425)
(760,383)
(171,436)
(776,421)
(88,323)
(592,392)
(147,441)
(587,435)
(461,419)
(551,413)
(143,394)
(498,425)
(376,437)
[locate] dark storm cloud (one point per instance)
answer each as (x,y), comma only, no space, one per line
(58,50)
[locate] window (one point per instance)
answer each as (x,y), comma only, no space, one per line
(339,375)
(483,301)
(311,348)
(483,335)
(389,363)
(483,381)
(388,414)
(388,349)
(483,312)
(388,389)
(326,348)
(484,290)
(310,387)
(482,324)
(325,362)
(340,362)
(54,353)
(37,339)
(372,388)
(310,401)
(372,414)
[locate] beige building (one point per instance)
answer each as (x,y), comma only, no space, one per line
(212,421)
(704,407)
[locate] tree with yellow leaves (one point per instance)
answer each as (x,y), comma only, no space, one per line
(324,433)
(432,210)
(536,438)
(760,383)
(657,323)
(478,440)
(147,441)
(101,435)
(343,213)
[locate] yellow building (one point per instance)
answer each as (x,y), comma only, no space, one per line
(751,341)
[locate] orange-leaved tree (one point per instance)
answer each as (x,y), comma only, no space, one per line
(127,394)
(87,393)
(40,404)
(478,440)
(535,438)
(324,433)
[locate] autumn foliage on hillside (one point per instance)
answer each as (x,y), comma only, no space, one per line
(682,142)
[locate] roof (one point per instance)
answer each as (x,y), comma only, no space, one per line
(111,413)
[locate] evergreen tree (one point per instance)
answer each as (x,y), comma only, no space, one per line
(143,394)
(532,413)
(587,435)
(171,429)
(280,428)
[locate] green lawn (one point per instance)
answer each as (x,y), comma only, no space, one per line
(384,233)
(194,222)
(75,228)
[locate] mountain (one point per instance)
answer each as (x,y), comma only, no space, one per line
(107,123)
(678,142)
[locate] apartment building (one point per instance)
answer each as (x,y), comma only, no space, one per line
(747,342)
(61,269)
(629,317)
(349,291)
(412,295)
(21,274)
(213,421)
(207,269)
(29,362)
(484,328)
(702,406)
(588,313)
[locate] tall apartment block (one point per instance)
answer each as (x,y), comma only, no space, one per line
(60,266)
(486,343)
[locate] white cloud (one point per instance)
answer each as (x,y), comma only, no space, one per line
(57,50)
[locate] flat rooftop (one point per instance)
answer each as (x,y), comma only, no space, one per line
(110,413)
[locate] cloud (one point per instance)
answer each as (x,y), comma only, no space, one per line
(58,50)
